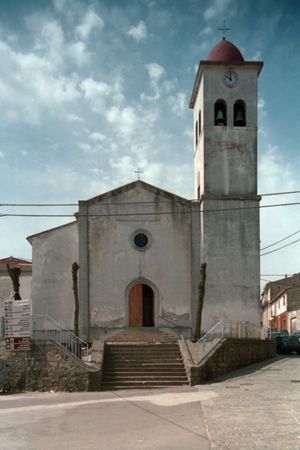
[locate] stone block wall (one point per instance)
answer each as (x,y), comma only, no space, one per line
(44,368)
(228,355)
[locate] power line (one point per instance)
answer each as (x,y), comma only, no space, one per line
(121,203)
(277,242)
(187,211)
(279,248)
(280,193)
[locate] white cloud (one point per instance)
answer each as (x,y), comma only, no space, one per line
(91,21)
(96,92)
(257,56)
(125,119)
(100,94)
(274,171)
(97,136)
(139,32)
(155,71)
(31,84)
(87,148)
(78,53)
(207,31)
(216,8)
(2,156)
(70,117)
(60,4)
(178,103)
(261,103)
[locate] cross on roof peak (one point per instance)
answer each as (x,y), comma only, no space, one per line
(224,28)
(139,171)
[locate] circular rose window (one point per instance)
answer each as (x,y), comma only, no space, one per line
(141,239)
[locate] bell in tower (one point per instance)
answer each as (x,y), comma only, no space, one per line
(220,113)
(239,114)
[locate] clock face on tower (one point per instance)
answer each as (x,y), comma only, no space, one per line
(230,78)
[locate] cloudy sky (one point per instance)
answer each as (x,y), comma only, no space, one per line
(92,90)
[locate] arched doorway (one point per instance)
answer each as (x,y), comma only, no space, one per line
(141,306)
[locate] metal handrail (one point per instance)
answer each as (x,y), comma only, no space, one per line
(45,328)
(229,329)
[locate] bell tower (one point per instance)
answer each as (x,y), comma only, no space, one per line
(224,100)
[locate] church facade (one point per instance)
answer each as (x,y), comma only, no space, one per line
(140,248)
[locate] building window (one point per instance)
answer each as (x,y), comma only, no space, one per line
(196,132)
(239,114)
(141,239)
(220,113)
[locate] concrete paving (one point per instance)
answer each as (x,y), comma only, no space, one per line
(254,408)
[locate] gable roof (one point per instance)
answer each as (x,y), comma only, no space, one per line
(29,238)
(131,186)
(17,262)
(24,264)
(279,286)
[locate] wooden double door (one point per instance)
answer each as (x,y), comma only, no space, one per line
(141,306)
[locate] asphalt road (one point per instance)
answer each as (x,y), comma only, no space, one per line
(254,408)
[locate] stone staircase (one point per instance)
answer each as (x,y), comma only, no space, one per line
(142,359)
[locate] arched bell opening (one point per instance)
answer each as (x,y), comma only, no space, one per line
(239,114)
(220,113)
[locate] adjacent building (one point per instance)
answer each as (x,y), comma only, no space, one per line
(281,304)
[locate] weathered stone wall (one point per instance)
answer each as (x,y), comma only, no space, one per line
(228,355)
(44,368)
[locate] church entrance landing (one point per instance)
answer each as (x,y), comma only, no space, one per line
(141,306)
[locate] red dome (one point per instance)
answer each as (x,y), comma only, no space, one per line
(225,51)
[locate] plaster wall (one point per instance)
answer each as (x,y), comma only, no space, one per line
(115,264)
(230,246)
(53,253)
(230,166)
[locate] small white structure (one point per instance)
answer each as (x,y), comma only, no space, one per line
(140,248)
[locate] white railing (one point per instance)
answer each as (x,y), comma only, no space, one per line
(228,329)
(47,329)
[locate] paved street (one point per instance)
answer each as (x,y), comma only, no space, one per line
(255,408)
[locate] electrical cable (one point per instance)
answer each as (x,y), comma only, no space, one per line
(188,211)
(279,248)
(277,242)
(119,203)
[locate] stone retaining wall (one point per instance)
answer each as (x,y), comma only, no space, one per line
(229,355)
(44,368)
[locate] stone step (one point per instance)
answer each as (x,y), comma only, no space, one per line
(140,345)
(142,364)
(136,384)
(145,366)
(142,375)
(160,354)
(141,335)
(142,378)
(141,348)
(142,361)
